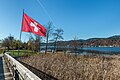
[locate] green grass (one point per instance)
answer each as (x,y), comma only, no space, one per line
(16,53)
(1,51)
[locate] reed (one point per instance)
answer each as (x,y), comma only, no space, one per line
(69,67)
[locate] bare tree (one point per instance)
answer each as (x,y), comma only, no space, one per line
(57,36)
(75,44)
(49,32)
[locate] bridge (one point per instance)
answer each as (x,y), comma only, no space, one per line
(11,69)
(5,73)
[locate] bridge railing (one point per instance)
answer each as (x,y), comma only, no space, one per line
(19,71)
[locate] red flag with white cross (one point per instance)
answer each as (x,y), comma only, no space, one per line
(30,25)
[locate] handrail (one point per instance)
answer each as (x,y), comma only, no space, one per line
(22,72)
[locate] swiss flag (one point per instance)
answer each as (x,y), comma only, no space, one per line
(30,25)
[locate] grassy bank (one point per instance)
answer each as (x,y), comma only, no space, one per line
(16,53)
(69,67)
(1,51)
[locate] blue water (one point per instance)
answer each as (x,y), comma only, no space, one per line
(106,49)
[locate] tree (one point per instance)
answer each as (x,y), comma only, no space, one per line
(48,34)
(30,43)
(8,42)
(57,36)
(17,44)
(37,43)
(75,44)
(24,45)
(34,43)
(11,43)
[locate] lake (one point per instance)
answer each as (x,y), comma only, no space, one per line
(104,49)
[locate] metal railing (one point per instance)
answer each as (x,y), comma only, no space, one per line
(19,71)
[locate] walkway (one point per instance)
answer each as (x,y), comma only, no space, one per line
(4,70)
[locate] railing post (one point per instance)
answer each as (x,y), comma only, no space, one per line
(16,75)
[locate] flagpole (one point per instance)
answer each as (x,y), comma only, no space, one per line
(46,44)
(20,33)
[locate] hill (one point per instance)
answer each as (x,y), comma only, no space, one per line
(114,37)
(95,42)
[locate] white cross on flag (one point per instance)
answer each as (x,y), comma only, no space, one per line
(30,25)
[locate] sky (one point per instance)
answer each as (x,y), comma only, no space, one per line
(81,18)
